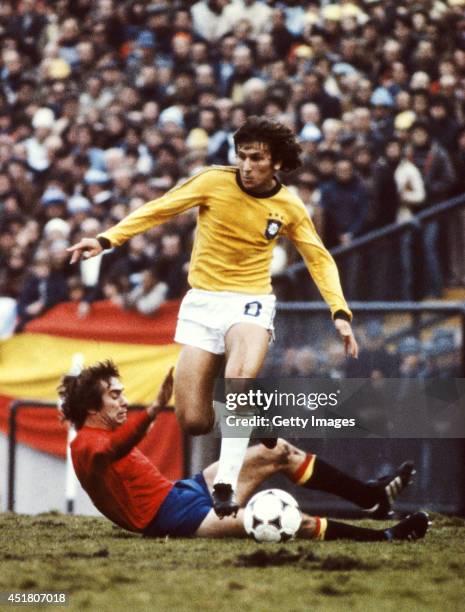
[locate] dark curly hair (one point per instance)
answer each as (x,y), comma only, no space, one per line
(281,140)
(79,394)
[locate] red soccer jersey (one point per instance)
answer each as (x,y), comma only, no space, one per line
(121,481)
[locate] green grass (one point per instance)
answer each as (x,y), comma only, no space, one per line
(104,568)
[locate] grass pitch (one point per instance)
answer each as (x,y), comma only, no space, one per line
(103,568)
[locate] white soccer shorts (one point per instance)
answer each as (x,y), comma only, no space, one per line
(205,316)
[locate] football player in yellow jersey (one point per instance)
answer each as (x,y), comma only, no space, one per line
(227,316)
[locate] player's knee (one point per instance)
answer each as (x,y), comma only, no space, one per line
(278,456)
(196,425)
(240,370)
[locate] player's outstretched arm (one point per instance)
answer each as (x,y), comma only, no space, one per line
(163,397)
(86,248)
(345,331)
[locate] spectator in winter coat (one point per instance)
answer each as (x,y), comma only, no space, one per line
(42,290)
(345,204)
(438,175)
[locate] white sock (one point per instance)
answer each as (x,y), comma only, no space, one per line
(232,449)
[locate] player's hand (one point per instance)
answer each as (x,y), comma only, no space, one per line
(86,248)
(345,331)
(164,395)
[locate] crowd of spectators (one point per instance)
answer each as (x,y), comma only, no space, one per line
(105,105)
(435,353)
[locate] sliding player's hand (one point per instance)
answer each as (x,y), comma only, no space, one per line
(86,248)
(164,395)
(345,331)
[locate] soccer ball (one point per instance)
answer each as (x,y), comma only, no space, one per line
(272,516)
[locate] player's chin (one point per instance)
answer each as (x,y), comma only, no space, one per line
(122,418)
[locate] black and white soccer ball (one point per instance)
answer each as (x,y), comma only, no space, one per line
(272,516)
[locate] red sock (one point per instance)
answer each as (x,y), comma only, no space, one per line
(305,470)
(320,529)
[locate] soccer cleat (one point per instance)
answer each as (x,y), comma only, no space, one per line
(390,487)
(224,500)
(413,527)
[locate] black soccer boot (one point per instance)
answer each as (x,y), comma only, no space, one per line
(224,500)
(413,527)
(390,487)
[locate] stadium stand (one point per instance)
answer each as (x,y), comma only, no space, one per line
(104,105)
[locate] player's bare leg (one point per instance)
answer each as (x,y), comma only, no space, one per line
(311,472)
(315,528)
(194,380)
(225,527)
(260,463)
(246,347)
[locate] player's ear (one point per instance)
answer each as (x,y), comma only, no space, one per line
(277,165)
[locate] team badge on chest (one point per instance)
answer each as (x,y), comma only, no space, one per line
(272,228)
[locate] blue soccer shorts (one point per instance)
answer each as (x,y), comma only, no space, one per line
(183,509)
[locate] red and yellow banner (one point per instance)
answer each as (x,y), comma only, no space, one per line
(32,363)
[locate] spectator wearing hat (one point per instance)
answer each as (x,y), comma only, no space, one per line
(53,203)
(142,52)
(382,103)
(78,208)
(309,137)
(158,21)
(37,155)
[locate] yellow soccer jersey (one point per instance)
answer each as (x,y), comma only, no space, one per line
(236,232)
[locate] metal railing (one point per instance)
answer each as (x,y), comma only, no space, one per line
(400,244)
(294,327)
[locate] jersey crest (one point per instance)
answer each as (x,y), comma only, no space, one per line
(272,228)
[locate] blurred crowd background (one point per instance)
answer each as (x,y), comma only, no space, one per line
(105,105)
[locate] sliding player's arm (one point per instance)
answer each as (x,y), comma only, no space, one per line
(123,439)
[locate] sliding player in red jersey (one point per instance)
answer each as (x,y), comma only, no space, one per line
(129,490)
